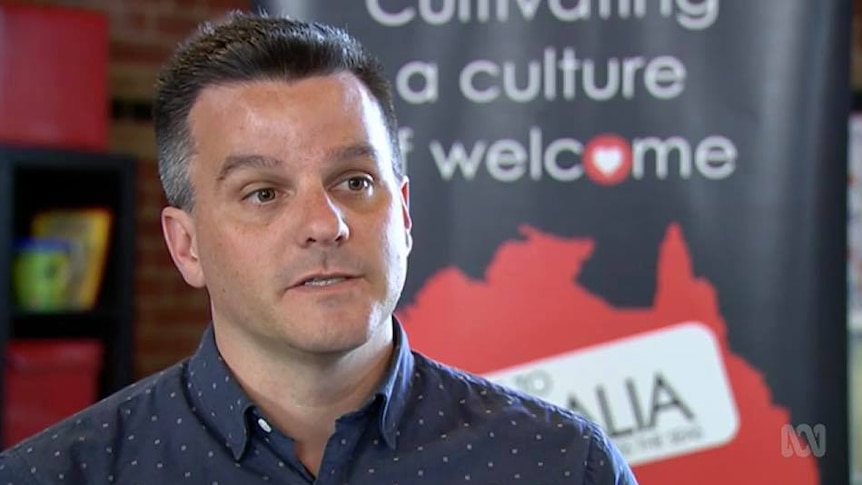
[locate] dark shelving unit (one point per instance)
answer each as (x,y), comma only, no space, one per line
(35,179)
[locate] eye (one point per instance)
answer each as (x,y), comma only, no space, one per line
(358,183)
(262,196)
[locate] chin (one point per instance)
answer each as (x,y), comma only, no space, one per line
(336,338)
(331,347)
(335,329)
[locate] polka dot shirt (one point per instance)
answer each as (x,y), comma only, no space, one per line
(427,423)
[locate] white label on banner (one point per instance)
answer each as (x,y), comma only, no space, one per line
(658,395)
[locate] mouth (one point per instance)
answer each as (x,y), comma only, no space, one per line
(322,280)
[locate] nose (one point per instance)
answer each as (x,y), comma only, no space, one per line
(320,220)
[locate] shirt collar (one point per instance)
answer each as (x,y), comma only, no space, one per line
(395,388)
(218,397)
(224,406)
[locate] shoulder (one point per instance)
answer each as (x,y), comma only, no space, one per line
(494,400)
(605,463)
(87,443)
(513,418)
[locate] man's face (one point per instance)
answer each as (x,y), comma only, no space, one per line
(300,230)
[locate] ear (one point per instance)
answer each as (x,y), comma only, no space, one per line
(405,210)
(179,231)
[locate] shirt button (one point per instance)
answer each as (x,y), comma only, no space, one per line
(264,425)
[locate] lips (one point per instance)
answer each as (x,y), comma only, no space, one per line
(324,281)
(321,280)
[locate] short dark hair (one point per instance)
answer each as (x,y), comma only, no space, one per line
(245,47)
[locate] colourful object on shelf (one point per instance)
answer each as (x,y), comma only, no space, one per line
(47,381)
(88,233)
(41,274)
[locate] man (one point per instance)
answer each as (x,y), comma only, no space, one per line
(288,204)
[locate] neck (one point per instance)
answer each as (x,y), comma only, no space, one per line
(303,395)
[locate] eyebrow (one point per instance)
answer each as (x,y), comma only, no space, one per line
(344,153)
(352,152)
(235,162)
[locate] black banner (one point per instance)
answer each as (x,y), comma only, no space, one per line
(635,209)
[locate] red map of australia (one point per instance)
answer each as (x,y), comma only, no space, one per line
(529,306)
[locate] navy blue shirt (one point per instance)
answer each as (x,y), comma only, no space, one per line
(427,423)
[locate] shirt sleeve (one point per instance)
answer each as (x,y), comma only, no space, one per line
(605,463)
(14,470)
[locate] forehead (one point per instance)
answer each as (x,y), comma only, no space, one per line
(297,116)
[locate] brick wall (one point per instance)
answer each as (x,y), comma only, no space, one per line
(169,314)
